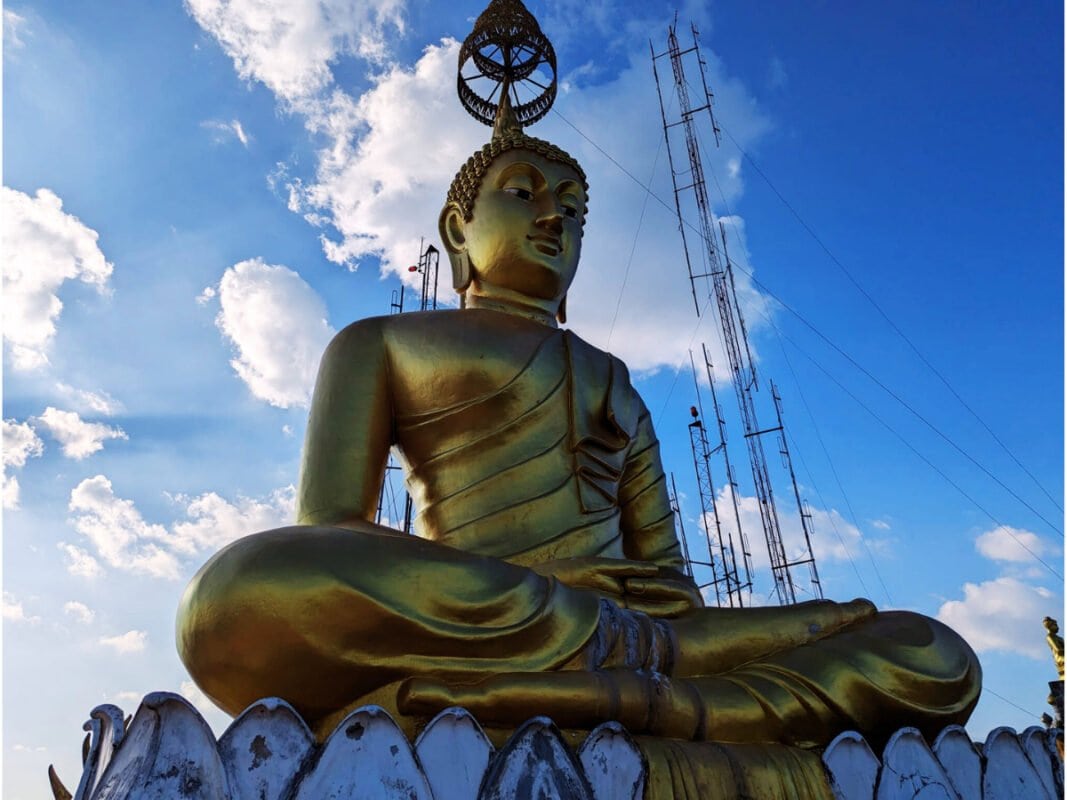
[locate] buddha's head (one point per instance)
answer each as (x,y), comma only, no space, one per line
(512,224)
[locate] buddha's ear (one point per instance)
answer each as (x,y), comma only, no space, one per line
(452,227)
(561,314)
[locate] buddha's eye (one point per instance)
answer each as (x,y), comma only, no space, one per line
(519,192)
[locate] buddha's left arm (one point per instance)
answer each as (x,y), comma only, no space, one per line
(349,430)
(647,520)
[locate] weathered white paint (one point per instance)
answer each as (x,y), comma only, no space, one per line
(853,767)
(535,763)
(1009,773)
(613,764)
(168,752)
(958,755)
(454,753)
(106,727)
(1036,749)
(264,749)
(367,755)
(910,771)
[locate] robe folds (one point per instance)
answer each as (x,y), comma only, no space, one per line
(537,449)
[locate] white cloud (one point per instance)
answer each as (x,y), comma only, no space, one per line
(289,45)
(81,612)
(216,522)
(119,533)
(13,25)
(44,248)
(382,179)
(1003,614)
(225,131)
(12,610)
(11,492)
(123,539)
(20,442)
(129,642)
(880,524)
(277,325)
(1005,543)
(90,402)
(78,438)
(79,562)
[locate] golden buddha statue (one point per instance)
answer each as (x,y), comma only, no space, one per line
(545,576)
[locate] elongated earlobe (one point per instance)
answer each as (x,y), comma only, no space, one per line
(561,314)
(451,225)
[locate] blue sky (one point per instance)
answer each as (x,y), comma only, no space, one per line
(194,201)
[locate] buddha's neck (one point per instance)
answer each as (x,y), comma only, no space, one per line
(517,305)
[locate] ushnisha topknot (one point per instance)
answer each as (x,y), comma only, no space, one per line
(507,135)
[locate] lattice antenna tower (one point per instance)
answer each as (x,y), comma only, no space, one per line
(808,557)
(679,525)
(427,268)
(720,448)
(720,273)
(721,560)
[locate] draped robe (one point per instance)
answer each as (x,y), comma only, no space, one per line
(522,444)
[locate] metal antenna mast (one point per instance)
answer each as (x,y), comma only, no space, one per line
(428,258)
(802,507)
(427,267)
(679,526)
(731,321)
(746,554)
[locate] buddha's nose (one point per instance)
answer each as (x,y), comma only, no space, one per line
(551,219)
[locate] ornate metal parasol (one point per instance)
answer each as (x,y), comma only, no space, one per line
(507,52)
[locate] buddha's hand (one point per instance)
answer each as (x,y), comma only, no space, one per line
(639,585)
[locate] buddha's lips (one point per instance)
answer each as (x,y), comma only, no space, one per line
(549,245)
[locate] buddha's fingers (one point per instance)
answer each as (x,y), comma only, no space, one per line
(642,702)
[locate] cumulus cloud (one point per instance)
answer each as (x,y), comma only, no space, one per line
(90,402)
(1008,544)
(13,611)
(226,131)
(121,538)
(20,443)
(125,643)
(80,562)
(215,522)
(390,154)
(45,247)
(834,539)
(119,533)
(1002,614)
(277,326)
(81,612)
(79,439)
(289,45)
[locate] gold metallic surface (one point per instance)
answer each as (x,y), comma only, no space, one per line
(545,574)
(1055,643)
(537,475)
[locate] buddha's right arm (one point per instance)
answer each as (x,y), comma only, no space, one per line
(349,430)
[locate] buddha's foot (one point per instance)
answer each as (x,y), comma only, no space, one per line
(644,702)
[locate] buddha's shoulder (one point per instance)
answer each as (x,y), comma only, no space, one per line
(443,330)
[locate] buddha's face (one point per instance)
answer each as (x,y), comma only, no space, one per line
(526,232)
